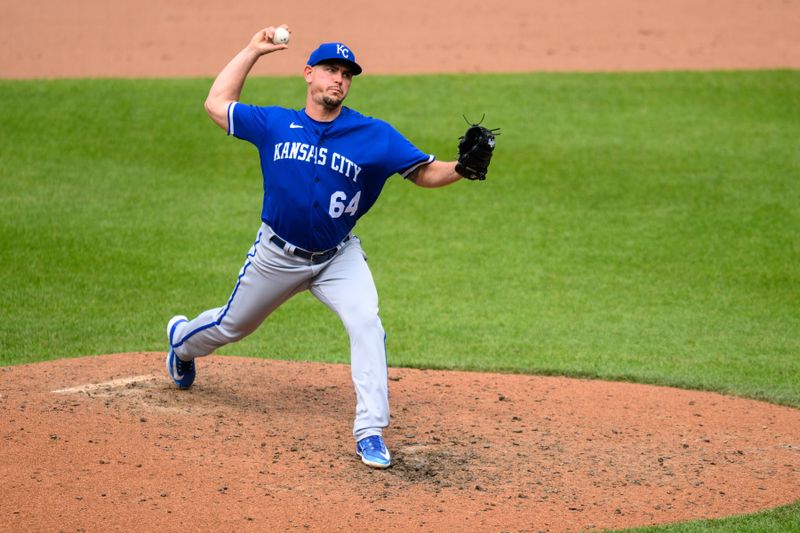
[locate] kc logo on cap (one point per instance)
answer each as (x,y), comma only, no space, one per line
(342,50)
(337,51)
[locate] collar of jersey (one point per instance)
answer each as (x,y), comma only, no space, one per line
(320,124)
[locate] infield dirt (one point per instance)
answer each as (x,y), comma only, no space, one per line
(47,38)
(106,442)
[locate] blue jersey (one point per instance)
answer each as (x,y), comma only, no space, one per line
(321,177)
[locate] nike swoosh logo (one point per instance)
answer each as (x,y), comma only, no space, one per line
(295,126)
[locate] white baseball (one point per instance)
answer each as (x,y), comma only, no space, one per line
(281,35)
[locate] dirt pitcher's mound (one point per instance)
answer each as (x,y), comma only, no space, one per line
(106,442)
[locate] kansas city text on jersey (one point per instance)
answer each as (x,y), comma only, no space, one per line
(318,155)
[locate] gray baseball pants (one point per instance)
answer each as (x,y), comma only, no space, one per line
(272,275)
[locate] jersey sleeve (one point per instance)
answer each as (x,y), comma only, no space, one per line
(403,157)
(248,122)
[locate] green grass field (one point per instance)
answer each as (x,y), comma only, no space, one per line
(638,227)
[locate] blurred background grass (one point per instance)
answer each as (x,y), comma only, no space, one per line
(634,226)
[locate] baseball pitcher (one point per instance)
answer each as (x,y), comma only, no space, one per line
(323,167)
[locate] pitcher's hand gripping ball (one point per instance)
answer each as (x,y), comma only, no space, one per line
(475,149)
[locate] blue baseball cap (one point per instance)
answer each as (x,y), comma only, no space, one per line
(334,51)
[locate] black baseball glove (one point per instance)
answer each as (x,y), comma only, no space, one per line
(475,150)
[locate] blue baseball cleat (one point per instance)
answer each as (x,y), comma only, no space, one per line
(181,372)
(373,452)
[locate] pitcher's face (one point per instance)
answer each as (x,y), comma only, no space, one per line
(328,83)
